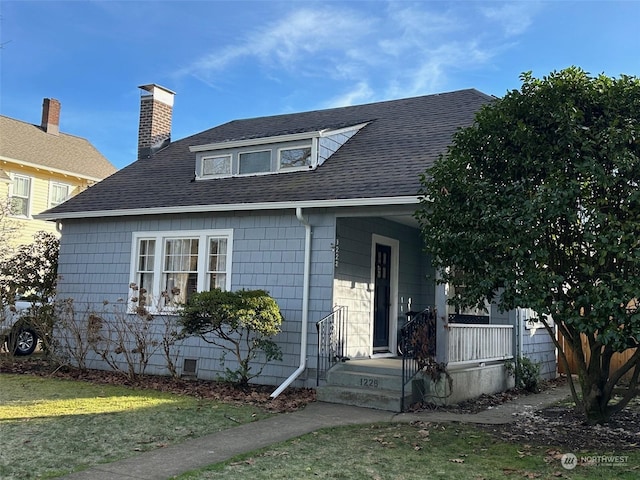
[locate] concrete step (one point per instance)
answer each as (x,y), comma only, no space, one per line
(372,383)
(364,379)
(383,366)
(379,399)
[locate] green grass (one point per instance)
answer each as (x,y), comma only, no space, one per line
(50,427)
(406,452)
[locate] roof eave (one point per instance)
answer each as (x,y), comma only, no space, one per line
(36,166)
(329,203)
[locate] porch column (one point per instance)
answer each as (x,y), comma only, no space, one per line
(442,338)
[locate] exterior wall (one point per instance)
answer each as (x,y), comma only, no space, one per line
(39,200)
(537,346)
(331,143)
(268,253)
(533,343)
(353,285)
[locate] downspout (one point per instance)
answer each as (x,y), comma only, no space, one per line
(305,305)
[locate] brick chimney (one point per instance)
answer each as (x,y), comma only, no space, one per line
(51,116)
(156,109)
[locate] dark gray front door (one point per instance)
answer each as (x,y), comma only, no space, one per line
(382,297)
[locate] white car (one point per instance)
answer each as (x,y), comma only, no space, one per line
(16,332)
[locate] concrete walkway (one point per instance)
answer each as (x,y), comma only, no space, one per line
(164,463)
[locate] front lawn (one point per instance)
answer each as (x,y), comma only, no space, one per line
(50,427)
(411,452)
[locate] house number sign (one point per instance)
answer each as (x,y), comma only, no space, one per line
(369,382)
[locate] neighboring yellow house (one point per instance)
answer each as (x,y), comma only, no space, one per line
(41,167)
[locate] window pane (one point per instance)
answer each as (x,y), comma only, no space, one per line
(20,196)
(217,280)
(255,162)
(21,186)
(146,255)
(145,290)
(59,193)
(295,157)
(180,286)
(181,255)
(19,206)
(216,165)
(217,255)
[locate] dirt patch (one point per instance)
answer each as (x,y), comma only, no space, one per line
(559,426)
(564,427)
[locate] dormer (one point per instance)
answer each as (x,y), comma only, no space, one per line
(292,152)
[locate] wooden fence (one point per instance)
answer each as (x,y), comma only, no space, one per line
(617,360)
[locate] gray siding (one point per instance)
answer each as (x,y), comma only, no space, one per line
(268,253)
(328,145)
(538,347)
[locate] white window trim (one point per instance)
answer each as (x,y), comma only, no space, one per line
(313,159)
(203,250)
(29,198)
(53,183)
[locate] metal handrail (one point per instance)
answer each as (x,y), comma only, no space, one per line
(421,327)
(332,341)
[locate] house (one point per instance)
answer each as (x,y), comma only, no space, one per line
(40,167)
(314,207)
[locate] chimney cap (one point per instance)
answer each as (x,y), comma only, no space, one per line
(158,92)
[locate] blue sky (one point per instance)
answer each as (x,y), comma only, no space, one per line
(239,59)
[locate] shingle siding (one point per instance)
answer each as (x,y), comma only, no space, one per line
(540,349)
(95,259)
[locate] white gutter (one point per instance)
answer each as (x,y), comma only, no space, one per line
(330,203)
(305,305)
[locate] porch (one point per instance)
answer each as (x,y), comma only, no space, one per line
(474,360)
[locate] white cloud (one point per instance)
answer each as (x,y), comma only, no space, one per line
(361,93)
(402,50)
(291,42)
(514,18)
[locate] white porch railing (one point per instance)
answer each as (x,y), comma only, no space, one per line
(479,343)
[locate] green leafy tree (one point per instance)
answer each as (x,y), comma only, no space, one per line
(242,323)
(32,269)
(538,205)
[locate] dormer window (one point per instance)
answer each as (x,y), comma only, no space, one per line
(294,152)
(254,162)
(218,165)
(295,157)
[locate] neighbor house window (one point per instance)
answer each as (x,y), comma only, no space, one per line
(170,266)
(20,195)
(254,162)
(58,193)
(220,165)
(297,157)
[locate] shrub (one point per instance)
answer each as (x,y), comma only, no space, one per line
(526,373)
(242,323)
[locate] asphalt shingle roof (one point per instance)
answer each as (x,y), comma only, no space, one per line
(384,159)
(26,142)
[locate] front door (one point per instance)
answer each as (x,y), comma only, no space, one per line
(382,298)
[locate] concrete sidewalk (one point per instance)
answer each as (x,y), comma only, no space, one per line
(164,463)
